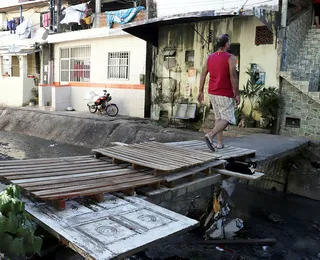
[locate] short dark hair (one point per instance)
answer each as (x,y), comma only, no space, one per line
(221,40)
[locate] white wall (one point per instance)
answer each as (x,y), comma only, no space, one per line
(28,85)
(11,91)
(45,95)
(99,57)
(129,94)
(61,98)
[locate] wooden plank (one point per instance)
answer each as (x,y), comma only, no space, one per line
(155,149)
(48,164)
(179,150)
(17,162)
(19,182)
(194,170)
(94,178)
(146,153)
(147,156)
(27,175)
(255,176)
(102,184)
(108,189)
(97,197)
(124,178)
(53,168)
(136,161)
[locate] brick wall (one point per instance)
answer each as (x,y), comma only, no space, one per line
(139,17)
(299,105)
(296,33)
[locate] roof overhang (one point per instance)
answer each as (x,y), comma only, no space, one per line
(148,30)
(19,53)
(37,3)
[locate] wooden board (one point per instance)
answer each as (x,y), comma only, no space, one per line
(114,229)
(158,156)
(255,176)
(62,178)
(223,154)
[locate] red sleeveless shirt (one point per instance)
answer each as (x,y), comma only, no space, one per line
(218,67)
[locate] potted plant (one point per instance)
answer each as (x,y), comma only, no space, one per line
(250,92)
(268,105)
(16,228)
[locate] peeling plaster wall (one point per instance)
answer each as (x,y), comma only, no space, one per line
(182,38)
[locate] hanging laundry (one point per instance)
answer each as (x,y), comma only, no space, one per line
(122,16)
(74,14)
(46,20)
(12,26)
(24,29)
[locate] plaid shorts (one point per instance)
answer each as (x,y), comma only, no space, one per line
(223,108)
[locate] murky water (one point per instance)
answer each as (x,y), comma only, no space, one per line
(292,220)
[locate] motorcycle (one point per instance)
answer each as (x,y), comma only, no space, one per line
(101,103)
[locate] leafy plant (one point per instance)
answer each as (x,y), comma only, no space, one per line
(16,227)
(35,93)
(251,91)
(268,104)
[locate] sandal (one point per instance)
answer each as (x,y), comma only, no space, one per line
(208,143)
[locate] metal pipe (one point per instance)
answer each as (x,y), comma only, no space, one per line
(98,6)
(284,13)
(58,15)
(21,14)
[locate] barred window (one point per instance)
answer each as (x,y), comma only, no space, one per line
(118,65)
(263,35)
(75,64)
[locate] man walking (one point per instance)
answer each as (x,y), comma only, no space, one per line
(223,87)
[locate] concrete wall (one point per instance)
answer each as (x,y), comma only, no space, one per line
(45,95)
(299,105)
(182,38)
(129,94)
(296,33)
(11,91)
(61,98)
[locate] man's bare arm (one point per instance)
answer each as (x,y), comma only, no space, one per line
(204,74)
(233,74)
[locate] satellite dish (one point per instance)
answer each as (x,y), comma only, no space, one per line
(14,48)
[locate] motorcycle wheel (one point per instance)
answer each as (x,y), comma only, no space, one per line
(112,110)
(93,109)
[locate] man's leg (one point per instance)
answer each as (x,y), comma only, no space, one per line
(218,131)
(316,18)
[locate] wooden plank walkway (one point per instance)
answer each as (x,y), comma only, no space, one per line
(223,154)
(62,178)
(158,156)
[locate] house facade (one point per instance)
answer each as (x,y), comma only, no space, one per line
(19,55)
(186,37)
(77,62)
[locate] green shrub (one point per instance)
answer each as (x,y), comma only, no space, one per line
(16,227)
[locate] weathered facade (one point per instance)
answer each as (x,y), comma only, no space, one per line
(178,75)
